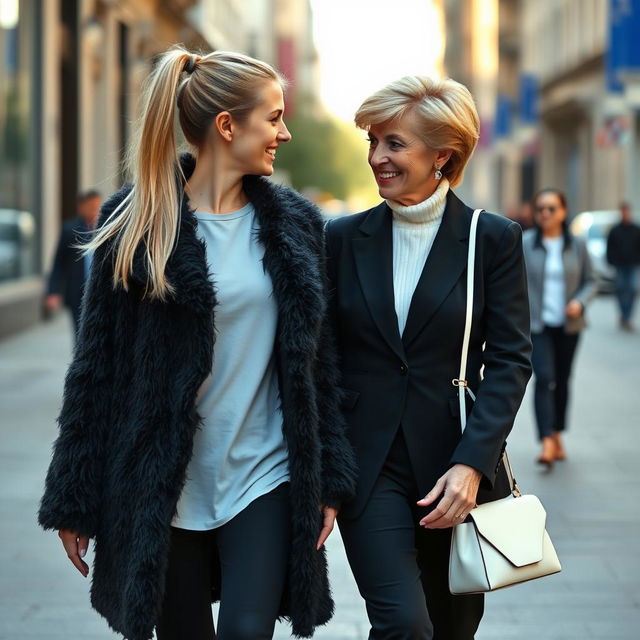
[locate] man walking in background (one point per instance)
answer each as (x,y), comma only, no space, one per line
(623,252)
(70,267)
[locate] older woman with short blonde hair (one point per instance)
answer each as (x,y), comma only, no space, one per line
(446,117)
(399,295)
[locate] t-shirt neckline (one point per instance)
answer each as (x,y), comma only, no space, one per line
(220,217)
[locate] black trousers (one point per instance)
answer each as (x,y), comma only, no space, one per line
(244,560)
(552,359)
(402,569)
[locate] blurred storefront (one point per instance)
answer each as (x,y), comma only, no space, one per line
(70,78)
(71,73)
(620,124)
(471,57)
(20,131)
(569,64)
(566,96)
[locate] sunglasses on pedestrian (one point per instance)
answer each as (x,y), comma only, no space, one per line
(549,208)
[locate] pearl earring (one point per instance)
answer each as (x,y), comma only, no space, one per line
(438,173)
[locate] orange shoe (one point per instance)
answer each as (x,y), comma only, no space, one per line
(560,453)
(548,455)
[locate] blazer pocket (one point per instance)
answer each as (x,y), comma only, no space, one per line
(348,398)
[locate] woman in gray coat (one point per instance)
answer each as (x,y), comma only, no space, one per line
(561,284)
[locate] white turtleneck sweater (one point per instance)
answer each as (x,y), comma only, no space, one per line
(414,230)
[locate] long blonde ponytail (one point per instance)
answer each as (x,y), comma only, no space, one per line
(150,214)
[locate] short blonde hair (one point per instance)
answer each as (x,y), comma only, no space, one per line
(446,112)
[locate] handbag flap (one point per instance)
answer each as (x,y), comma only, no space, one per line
(514,526)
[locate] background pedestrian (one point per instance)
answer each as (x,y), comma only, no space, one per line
(71,266)
(623,252)
(561,284)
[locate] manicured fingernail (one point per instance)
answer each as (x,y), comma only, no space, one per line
(83,553)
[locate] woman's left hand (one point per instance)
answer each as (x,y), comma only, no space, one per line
(328,522)
(573,309)
(459,489)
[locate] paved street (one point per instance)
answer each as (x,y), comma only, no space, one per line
(592,502)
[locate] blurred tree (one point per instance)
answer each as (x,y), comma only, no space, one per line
(326,154)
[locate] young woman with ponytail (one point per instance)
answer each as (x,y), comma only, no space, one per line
(203,471)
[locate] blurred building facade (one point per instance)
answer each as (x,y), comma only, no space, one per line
(471,57)
(566,103)
(70,79)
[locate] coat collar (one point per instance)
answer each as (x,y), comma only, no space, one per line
(291,233)
(373,252)
(186,268)
(566,234)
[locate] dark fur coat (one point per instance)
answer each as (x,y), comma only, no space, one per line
(129,416)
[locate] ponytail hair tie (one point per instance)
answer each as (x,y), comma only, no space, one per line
(191,64)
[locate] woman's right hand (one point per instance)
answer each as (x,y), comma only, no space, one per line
(76,547)
(574,309)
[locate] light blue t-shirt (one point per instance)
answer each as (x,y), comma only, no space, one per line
(239,453)
(553,293)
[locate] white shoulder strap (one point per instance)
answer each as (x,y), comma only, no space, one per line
(461,380)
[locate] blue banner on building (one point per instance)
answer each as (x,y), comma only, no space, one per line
(623,52)
(504,114)
(528,98)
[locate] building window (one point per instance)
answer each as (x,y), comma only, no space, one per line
(19,253)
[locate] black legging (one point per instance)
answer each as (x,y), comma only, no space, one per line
(552,359)
(244,560)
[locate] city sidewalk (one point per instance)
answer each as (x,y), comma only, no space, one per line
(592,501)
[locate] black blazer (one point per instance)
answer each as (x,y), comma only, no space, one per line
(389,380)
(68,271)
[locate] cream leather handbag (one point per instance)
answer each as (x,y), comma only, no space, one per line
(504,542)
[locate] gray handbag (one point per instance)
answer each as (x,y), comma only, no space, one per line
(504,542)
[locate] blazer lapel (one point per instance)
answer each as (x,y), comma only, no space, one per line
(373,254)
(446,262)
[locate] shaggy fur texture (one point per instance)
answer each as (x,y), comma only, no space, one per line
(129,417)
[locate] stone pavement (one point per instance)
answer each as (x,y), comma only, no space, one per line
(592,501)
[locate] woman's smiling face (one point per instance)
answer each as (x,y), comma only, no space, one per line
(254,148)
(402,164)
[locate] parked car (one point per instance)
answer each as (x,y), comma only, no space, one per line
(594,227)
(17,243)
